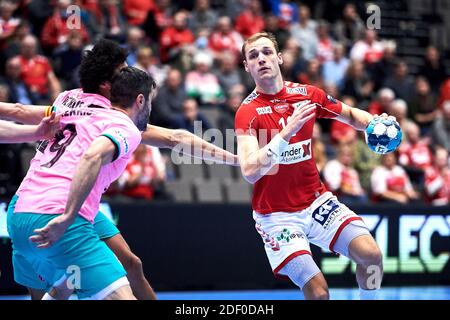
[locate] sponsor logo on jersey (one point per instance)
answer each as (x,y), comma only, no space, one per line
(298,90)
(277,100)
(264,110)
(286,235)
(296,152)
(252,96)
(281,107)
(301,104)
(331,99)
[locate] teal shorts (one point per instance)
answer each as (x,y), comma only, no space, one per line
(104,227)
(87,263)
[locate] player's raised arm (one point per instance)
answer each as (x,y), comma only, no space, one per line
(188,143)
(101,151)
(28,114)
(17,133)
(256,162)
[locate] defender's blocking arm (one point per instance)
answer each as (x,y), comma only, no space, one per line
(27,114)
(188,143)
(18,133)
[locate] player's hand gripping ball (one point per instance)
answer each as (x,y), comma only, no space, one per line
(383,135)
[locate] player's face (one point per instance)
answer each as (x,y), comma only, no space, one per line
(262,60)
(144,115)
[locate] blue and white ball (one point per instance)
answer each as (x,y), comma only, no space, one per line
(383,135)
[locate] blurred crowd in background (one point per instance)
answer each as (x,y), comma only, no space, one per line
(193,50)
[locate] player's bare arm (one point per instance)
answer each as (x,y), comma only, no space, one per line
(27,114)
(256,162)
(187,142)
(17,133)
(100,152)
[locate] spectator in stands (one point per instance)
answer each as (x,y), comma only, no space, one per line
(4,93)
(325,46)
(18,91)
(143,174)
(67,59)
(8,23)
(202,84)
(437,179)
(433,69)
(304,32)
(104,19)
(357,83)
(287,12)
(401,82)
(365,160)
(390,183)
(58,26)
(36,72)
(423,107)
(175,38)
(135,36)
(349,28)
(272,25)
(312,74)
(341,178)
(228,73)
(383,103)
(368,50)
(444,93)
(440,131)
(147,62)
(12,48)
(384,68)
(168,104)
(225,38)
(319,147)
(235,96)
(159,19)
(341,133)
(399,110)
(136,11)
(192,119)
(202,17)
(334,70)
(251,20)
(415,155)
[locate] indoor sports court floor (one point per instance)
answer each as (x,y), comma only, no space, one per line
(389,293)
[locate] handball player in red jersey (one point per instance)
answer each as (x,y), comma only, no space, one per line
(291,206)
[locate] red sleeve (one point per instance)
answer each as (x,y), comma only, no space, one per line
(328,107)
(246,121)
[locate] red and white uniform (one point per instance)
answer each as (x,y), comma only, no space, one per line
(437,186)
(416,155)
(292,191)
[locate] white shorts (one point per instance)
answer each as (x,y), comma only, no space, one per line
(287,235)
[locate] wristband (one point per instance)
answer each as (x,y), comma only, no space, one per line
(276,146)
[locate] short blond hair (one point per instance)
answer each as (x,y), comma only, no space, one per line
(257,36)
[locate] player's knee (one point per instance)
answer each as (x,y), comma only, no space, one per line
(320,293)
(372,257)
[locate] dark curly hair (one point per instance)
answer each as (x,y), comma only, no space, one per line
(99,64)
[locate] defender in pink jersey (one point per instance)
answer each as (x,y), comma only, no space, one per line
(291,206)
(56,203)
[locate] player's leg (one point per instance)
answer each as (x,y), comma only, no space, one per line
(364,251)
(303,271)
(133,265)
(123,293)
(109,233)
(36,294)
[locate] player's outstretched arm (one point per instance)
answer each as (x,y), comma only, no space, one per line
(17,133)
(357,118)
(257,162)
(28,114)
(188,143)
(100,152)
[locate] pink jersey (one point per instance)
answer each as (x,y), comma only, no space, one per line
(84,117)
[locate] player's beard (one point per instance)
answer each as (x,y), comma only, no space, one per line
(143,117)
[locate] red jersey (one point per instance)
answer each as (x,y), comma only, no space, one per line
(437,186)
(416,155)
(296,184)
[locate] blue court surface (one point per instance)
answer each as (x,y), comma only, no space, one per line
(388,293)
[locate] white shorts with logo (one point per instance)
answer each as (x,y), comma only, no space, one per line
(287,235)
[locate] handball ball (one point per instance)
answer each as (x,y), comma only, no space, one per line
(383,135)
